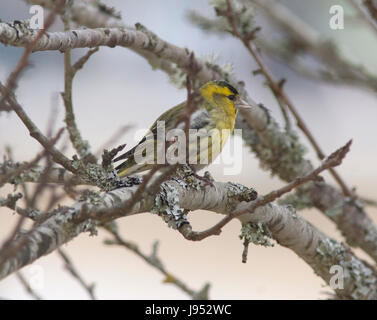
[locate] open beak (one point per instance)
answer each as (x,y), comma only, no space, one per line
(242,104)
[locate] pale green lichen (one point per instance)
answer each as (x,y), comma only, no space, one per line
(91,227)
(257,233)
(237,193)
(299,200)
(152,37)
(104,177)
(10,200)
(69,215)
(111,11)
(336,210)
(29,175)
(244,20)
(166,205)
(359,280)
(93,197)
(188,179)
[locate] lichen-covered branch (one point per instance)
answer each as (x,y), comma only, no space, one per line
(333,160)
(298,39)
(20,172)
(23,62)
(140,39)
(283,154)
(303,38)
(288,229)
(90,13)
(279,151)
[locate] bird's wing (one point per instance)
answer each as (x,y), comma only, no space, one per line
(151,135)
(199,119)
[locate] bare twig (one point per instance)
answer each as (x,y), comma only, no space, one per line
(37,134)
(369,202)
(368,9)
(113,139)
(8,247)
(352,220)
(333,160)
(155,262)
(89,288)
(108,156)
(27,286)
(246,40)
(23,62)
(9,175)
(318,250)
(300,38)
(372,7)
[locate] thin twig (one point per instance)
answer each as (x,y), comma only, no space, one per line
(89,288)
(245,251)
(333,160)
(37,134)
(7,176)
(155,262)
(112,140)
(231,16)
(368,10)
(7,248)
(23,62)
(81,146)
(27,286)
(368,202)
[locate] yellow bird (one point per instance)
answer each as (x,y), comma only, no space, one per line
(211,123)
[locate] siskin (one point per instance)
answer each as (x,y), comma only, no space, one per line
(213,118)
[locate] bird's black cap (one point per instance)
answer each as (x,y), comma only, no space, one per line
(223,83)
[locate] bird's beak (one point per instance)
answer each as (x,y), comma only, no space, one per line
(242,104)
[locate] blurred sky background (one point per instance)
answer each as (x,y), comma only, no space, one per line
(118,87)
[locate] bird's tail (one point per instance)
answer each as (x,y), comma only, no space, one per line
(129,167)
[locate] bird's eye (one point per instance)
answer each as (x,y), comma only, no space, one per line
(231,97)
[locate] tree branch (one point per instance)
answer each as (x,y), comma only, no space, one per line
(232,17)
(29,47)
(319,251)
(334,159)
(260,130)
